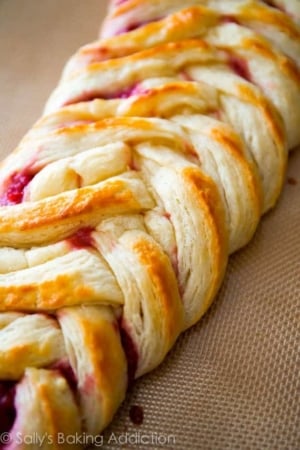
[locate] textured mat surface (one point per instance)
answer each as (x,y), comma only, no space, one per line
(232,381)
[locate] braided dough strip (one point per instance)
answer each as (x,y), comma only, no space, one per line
(127,15)
(240,103)
(121,204)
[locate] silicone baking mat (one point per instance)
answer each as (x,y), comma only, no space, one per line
(232,381)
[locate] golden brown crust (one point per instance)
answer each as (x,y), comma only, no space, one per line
(187,23)
(57,217)
(46,396)
(209,199)
(270,16)
(164,281)
(102,371)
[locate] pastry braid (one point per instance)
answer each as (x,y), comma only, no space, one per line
(158,152)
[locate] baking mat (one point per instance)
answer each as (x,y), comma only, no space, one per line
(232,381)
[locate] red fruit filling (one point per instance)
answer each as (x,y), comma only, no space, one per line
(239,66)
(136,414)
(129,92)
(82,238)
(15,187)
(130,352)
(185,76)
(7,407)
(93,95)
(216,114)
(229,19)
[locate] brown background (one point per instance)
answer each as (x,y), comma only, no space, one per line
(232,381)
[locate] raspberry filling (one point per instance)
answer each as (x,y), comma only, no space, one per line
(81,239)
(130,91)
(15,187)
(136,414)
(127,92)
(183,75)
(240,67)
(7,407)
(229,19)
(131,353)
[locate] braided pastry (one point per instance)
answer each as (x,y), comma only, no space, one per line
(120,206)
